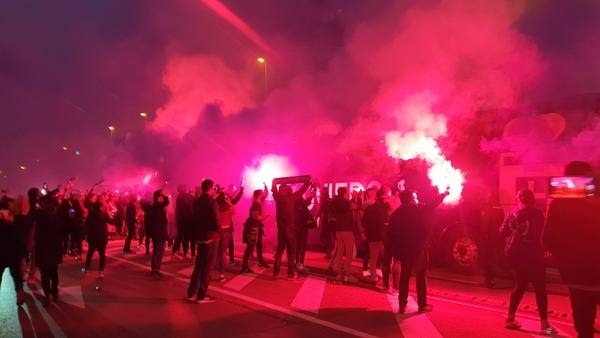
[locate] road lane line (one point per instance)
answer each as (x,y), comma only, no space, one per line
(52,325)
(310,294)
(412,324)
(242,280)
(264,304)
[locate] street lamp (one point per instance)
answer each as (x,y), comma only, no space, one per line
(263,62)
(111,128)
(143,114)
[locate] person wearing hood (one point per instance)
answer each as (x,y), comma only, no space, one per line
(159,234)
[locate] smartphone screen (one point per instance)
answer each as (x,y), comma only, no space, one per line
(571,187)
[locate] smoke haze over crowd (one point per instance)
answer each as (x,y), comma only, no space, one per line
(343,79)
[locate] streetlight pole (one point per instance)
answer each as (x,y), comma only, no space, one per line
(263,61)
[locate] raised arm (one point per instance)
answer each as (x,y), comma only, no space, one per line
(238,197)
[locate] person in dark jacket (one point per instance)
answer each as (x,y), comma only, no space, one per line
(206,234)
(572,235)
(285,213)
(375,226)
(183,220)
(254,230)
(408,238)
(48,245)
(158,231)
(325,223)
(146,205)
(523,228)
(130,222)
(70,215)
(33,196)
(345,228)
(12,242)
(96,226)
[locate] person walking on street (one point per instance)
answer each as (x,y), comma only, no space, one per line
(408,238)
(206,234)
(158,231)
(183,220)
(523,228)
(375,225)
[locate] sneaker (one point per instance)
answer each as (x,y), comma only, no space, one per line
(549,330)
(247,270)
(300,266)
(84,270)
(293,277)
(191,299)
(222,279)
(366,273)
(402,310)
(512,324)
(426,308)
(206,299)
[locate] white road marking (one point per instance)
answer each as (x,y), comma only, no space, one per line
(52,325)
(310,294)
(410,323)
(267,305)
(72,295)
(242,280)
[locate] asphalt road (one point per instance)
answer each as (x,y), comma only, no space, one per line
(132,304)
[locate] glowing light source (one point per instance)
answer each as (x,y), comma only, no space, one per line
(64,148)
(147,179)
(265,168)
(261,60)
(143,114)
(77,153)
(22,167)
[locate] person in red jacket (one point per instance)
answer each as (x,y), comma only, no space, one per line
(572,235)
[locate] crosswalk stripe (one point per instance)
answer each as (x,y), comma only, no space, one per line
(240,281)
(310,294)
(412,325)
(267,305)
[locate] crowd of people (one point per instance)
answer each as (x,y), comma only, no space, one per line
(390,227)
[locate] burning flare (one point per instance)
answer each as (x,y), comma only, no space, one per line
(265,169)
(421,143)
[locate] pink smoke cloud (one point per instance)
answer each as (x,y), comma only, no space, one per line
(195,82)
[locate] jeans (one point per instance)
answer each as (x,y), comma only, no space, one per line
(524,274)
(158,251)
(130,234)
(222,258)
(344,244)
(49,279)
(375,251)
(390,267)
(250,248)
(285,240)
(201,275)
(418,265)
(301,241)
(101,251)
